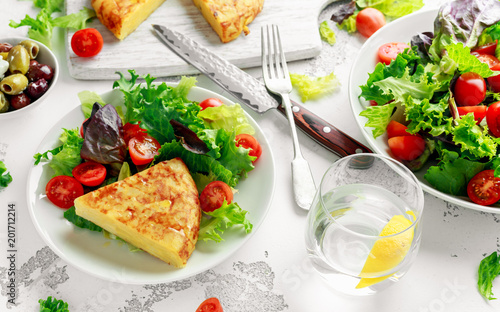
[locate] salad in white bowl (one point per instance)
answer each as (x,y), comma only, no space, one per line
(435,100)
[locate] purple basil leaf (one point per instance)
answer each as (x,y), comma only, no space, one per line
(104,141)
(188,138)
(422,41)
(343,12)
(465,20)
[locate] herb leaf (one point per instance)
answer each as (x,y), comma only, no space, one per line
(489,269)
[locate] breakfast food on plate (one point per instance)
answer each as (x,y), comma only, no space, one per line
(157,210)
(123,17)
(229,18)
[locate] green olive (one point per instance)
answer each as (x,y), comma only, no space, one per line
(19,60)
(4,103)
(14,84)
(32,48)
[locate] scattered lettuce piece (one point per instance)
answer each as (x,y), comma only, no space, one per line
(312,88)
(53,305)
(5,177)
(349,24)
(488,270)
(326,33)
(219,220)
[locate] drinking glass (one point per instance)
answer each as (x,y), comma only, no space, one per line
(363,228)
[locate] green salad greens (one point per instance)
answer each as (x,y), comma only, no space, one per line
(489,269)
(5,177)
(416,89)
(53,305)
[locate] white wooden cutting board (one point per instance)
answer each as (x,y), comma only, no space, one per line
(142,51)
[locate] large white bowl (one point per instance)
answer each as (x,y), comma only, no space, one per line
(45,56)
(401,30)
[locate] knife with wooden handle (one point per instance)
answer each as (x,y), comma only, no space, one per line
(253,93)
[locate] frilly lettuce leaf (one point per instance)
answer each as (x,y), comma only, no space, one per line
(5,177)
(326,33)
(468,62)
(310,88)
(392,8)
(470,137)
(227,117)
(53,305)
(378,117)
(426,116)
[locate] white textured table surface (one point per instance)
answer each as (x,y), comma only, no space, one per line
(271,271)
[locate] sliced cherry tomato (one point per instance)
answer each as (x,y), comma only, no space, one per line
(373,103)
(213,195)
(408,147)
(143,149)
(484,188)
(90,173)
(479,111)
(132,130)
(63,190)
(210,305)
(81,128)
(470,89)
(389,51)
(493,118)
(395,129)
(494,81)
(86,42)
(249,142)
(489,59)
(368,21)
(489,48)
(210,102)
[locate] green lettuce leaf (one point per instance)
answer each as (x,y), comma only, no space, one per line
(53,305)
(326,33)
(468,62)
(392,8)
(87,100)
(5,177)
(219,220)
(71,216)
(349,24)
(310,88)
(228,117)
(431,117)
(488,270)
(470,137)
(378,117)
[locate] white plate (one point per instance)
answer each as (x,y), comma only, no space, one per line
(400,30)
(109,259)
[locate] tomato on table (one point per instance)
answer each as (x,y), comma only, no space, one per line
(494,81)
(408,147)
(210,102)
(479,111)
(63,190)
(210,305)
(368,21)
(86,42)
(389,51)
(493,118)
(395,129)
(484,188)
(470,89)
(213,195)
(143,149)
(249,142)
(488,48)
(90,173)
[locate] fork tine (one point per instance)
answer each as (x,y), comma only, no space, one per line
(281,54)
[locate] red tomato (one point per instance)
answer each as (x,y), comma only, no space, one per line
(210,305)
(143,149)
(494,81)
(249,142)
(213,195)
(210,102)
(470,89)
(493,118)
(132,130)
(373,103)
(81,128)
(89,173)
(86,42)
(395,129)
(487,48)
(63,190)
(368,21)
(484,188)
(479,111)
(408,147)
(388,52)
(489,59)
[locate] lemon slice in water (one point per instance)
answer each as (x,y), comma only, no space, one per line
(388,252)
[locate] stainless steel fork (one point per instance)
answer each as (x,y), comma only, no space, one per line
(277,81)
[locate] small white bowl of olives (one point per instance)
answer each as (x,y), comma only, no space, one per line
(28,71)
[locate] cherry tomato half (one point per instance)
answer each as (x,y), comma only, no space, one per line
(389,51)
(493,118)
(488,48)
(395,129)
(484,188)
(63,190)
(210,305)
(470,89)
(90,173)
(489,59)
(132,130)
(210,102)
(368,21)
(143,149)
(479,111)
(249,142)
(408,147)
(213,195)
(86,42)
(494,81)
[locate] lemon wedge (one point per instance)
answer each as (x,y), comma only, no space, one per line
(388,252)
